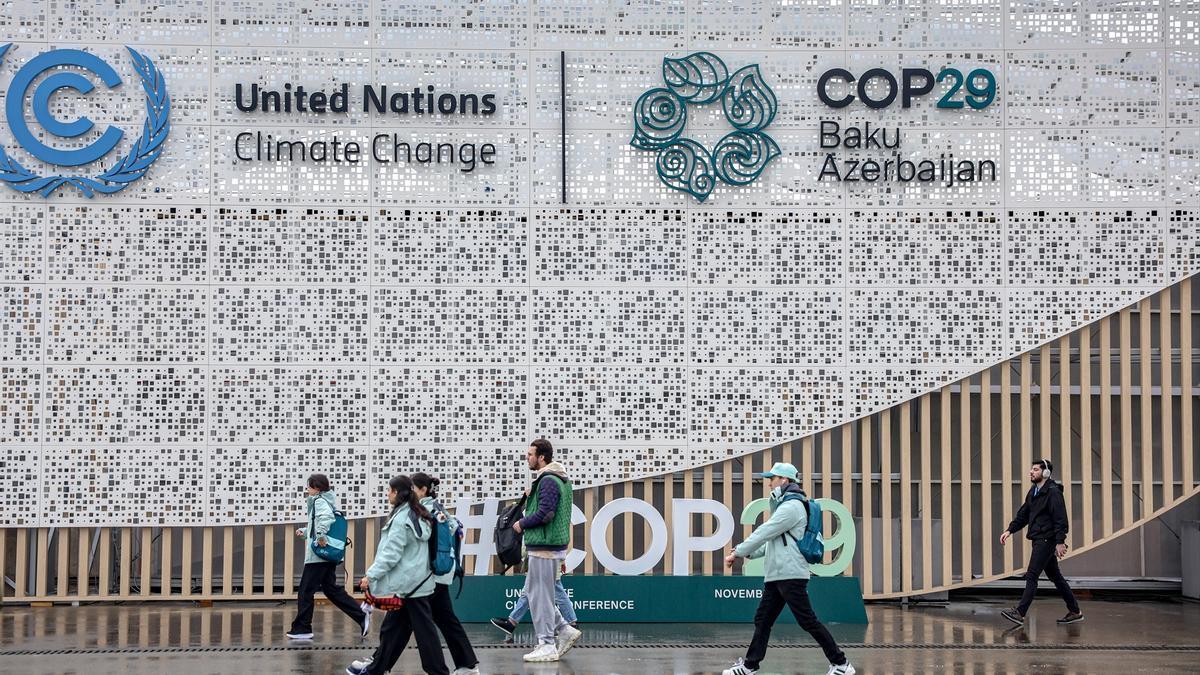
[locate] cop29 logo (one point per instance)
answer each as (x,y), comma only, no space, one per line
(124,170)
(660,115)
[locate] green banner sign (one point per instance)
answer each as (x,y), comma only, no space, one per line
(660,599)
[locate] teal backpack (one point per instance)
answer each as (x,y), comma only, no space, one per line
(445,546)
(811,543)
(336,540)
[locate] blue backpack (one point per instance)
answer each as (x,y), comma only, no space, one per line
(811,543)
(336,540)
(445,546)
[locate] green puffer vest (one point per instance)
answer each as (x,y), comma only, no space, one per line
(557,532)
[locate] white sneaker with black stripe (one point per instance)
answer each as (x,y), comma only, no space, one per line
(739,668)
(844,669)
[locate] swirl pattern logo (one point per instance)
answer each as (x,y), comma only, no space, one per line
(125,170)
(660,117)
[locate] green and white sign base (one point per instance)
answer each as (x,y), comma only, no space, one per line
(660,599)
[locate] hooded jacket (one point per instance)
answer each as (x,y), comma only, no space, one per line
(777,537)
(402,559)
(320,510)
(547,521)
(1044,513)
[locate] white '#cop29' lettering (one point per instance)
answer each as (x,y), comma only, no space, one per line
(839,546)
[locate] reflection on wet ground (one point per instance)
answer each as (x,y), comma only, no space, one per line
(965,637)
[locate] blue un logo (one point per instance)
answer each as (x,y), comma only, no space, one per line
(123,170)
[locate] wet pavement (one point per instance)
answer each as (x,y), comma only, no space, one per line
(964,637)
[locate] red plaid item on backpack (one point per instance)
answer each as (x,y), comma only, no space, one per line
(385,604)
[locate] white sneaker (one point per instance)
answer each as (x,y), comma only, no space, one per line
(362,663)
(844,669)
(543,654)
(739,668)
(366,624)
(299,636)
(566,639)
(466,671)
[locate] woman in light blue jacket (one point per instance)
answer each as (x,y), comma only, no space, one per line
(402,569)
(465,661)
(320,574)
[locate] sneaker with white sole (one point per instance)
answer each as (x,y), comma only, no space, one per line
(739,668)
(466,671)
(1071,617)
(299,636)
(366,622)
(567,637)
(844,669)
(1014,615)
(545,653)
(361,664)
(505,624)
(352,670)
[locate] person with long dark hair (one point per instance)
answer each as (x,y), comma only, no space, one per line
(321,574)
(461,652)
(443,607)
(401,569)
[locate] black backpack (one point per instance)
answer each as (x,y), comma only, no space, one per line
(508,540)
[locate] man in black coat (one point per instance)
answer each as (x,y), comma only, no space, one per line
(1045,512)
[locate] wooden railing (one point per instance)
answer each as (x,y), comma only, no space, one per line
(932,481)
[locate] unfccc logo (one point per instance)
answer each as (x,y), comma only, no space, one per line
(124,170)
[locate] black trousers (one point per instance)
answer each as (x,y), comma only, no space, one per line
(456,638)
(322,577)
(794,594)
(1042,558)
(452,631)
(415,618)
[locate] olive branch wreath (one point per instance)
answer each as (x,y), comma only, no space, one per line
(129,168)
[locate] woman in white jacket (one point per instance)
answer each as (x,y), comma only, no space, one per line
(401,568)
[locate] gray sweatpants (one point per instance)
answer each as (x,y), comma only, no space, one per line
(539,588)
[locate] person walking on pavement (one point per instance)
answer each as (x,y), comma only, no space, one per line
(546,528)
(787,574)
(562,600)
(440,603)
(1045,514)
(402,570)
(320,574)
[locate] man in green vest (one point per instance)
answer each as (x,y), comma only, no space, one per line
(547,533)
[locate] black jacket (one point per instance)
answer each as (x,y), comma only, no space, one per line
(1045,514)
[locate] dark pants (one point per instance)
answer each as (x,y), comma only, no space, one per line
(416,617)
(322,577)
(456,638)
(1042,558)
(794,594)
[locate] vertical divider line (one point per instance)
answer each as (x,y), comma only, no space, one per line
(562,115)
